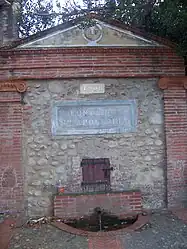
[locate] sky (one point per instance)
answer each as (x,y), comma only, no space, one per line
(67,3)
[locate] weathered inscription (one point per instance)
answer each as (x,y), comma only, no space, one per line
(92,88)
(93,117)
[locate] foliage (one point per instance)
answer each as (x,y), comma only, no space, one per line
(35,16)
(169,20)
(166,18)
(29,21)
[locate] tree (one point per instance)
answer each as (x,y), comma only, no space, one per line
(166,18)
(30,21)
(39,15)
(169,20)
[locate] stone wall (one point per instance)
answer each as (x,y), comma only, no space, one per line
(8,24)
(137,158)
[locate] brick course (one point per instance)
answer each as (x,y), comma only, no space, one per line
(72,206)
(100,243)
(175,109)
(89,63)
(11,174)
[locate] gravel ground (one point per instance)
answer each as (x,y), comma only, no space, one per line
(47,237)
(164,232)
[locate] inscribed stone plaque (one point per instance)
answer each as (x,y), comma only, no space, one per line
(92,88)
(94,117)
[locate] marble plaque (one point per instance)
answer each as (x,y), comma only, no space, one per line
(92,88)
(94,117)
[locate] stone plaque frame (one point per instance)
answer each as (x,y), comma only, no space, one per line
(78,117)
(92,88)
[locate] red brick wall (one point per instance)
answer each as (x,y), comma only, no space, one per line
(90,62)
(11,174)
(175,106)
(71,206)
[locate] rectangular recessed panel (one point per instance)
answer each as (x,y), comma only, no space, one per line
(93,117)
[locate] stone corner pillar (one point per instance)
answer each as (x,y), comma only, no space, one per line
(175,113)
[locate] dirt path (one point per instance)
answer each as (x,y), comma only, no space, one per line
(165,231)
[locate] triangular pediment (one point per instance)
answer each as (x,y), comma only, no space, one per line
(101,34)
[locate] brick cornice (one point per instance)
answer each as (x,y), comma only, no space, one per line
(166,82)
(152,50)
(13,86)
(68,63)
